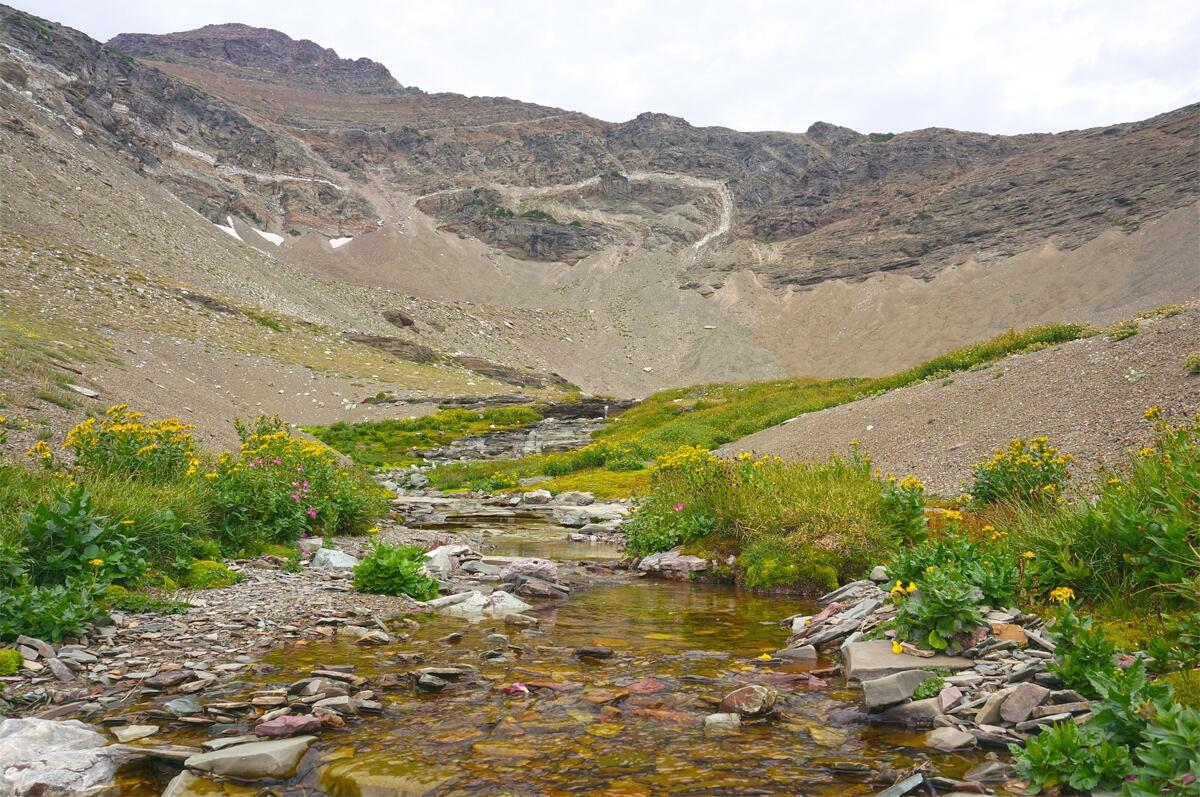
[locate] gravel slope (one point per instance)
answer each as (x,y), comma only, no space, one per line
(1087,397)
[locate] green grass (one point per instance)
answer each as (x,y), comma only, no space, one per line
(1192,364)
(400,442)
(792,525)
(712,415)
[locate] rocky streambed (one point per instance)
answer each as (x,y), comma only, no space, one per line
(546,667)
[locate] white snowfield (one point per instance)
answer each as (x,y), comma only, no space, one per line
(229,230)
(337,242)
(274,238)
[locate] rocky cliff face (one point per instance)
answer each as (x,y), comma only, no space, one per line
(830,203)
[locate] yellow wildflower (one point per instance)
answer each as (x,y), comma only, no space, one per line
(1049,489)
(1028,555)
(765,657)
(210,475)
(912,587)
(96,562)
(1145,451)
(1152,413)
(952,514)
(126,522)
(373,530)
(897,648)
(1062,595)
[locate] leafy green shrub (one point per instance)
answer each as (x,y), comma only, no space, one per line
(1168,763)
(68,541)
(1084,652)
(1126,695)
(990,567)
(1139,537)
(624,465)
(207,574)
(10,662)
(539,215)
(494,482)
(943,606)
(1027,470)
(395,570)
(930,687)
(1068,756)
(49,613)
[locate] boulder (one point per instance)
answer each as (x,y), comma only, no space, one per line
(989,713)
(879,574)
(439,562)
(881,693)
(754,700)
(310,545)
(275,759)
(543,569)
(536,497)
(475,605)
(47,758)
(949,739)
(864,661)
(574,498)
(673,564)
(917,714)
(333,559)
(1021,702)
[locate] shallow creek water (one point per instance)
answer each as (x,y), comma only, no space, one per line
(627,725)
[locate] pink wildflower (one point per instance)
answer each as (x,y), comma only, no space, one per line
(679,507)
(312,511)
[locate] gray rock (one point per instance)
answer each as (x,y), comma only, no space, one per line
(439,562)
(903,787)
(949,698)
(275,759)
(186,784)
(990,713)
(475,605)
(802,653)
(49,758)
(477,568)
(989,772)
(874,659)
(183,706)
(544,569)
(879,574)
(536,497)
(917,714)
(949,739)
(44,650)
(722,723)
(1022,701)
(333,559)
(880,693)
(673,564)
(574,498)
(131,733)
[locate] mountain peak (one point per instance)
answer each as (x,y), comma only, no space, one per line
(262,54)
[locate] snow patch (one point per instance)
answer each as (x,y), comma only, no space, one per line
(230,230)
(337,242)
(274,238)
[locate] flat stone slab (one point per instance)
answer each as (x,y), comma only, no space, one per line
(276,759)
(865,661)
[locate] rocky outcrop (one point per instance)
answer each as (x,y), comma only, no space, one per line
(262,54)
(47,758)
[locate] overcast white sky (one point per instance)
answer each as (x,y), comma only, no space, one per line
(1000,67)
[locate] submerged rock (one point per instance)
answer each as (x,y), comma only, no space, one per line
(754,700)
(275,759)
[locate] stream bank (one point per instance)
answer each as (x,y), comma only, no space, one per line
(603,682)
